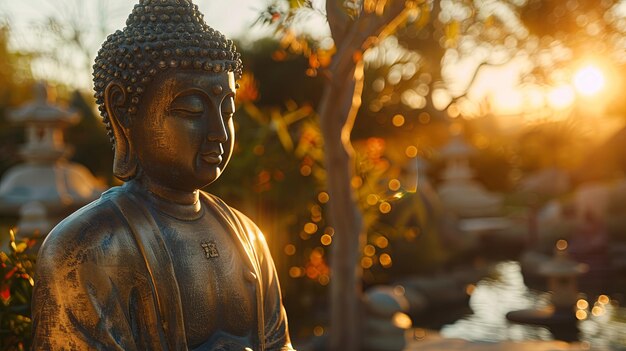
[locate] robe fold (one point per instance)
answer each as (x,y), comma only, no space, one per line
(105,281)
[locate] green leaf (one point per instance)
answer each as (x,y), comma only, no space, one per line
(296,4)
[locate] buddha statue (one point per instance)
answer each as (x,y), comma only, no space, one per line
(157,264)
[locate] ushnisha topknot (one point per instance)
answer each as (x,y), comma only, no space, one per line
(160,35)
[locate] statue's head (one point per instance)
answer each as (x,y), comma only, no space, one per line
(165,87)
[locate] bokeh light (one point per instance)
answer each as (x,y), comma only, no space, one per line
(411,151)
(419,333)
(394,185)
(385,207)
(326,239)
(561,245)
(381,242)
(401,320)
(356,182)
(372,199)
(399,290)
(323,197)
(330,231)
(306,170)
(398,120)
(310,228)
(597,311)
(290,250)
(589,80)
(603,299)
(367,262)
(318,331)
(385,260)
(295,272)
(406,104)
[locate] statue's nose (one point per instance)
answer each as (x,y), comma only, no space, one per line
(217,129)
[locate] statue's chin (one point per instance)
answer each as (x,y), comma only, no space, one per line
(201,175)
(212,176)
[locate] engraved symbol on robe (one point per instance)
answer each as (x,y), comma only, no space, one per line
(210,249)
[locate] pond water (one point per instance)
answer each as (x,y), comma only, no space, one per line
(602,323)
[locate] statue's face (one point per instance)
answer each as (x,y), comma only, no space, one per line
(183,133)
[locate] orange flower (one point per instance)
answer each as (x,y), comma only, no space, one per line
(248,91)
(5,293)
(10,273)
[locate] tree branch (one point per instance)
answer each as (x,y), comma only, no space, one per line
(366,26)
(338,20)
(473,80)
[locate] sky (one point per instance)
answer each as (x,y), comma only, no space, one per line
(234,18)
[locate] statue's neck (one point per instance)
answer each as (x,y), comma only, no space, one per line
(177,203)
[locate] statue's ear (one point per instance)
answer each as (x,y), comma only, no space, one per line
(125,160)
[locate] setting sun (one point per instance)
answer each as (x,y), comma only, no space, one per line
(589,80)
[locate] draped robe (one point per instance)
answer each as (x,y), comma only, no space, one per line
(105,281)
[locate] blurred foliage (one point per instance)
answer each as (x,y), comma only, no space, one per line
(17,267)
(277,174)
(280,74)
(64,40)
(582,27)
(14,89)
(276,134)
(565,141)
(426,71)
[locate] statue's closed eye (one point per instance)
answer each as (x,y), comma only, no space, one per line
(187,104)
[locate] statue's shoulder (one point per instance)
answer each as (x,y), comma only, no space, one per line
(250,229)
(98,224)
(216,202)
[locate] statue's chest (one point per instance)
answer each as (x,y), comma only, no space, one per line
(217,287)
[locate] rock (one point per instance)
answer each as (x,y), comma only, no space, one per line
(385,323)
(385,301)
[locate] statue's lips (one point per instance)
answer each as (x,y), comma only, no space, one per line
(212,157)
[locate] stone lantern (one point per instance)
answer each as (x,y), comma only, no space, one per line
(459,191)
(46,177)
(560,318)
(561,274)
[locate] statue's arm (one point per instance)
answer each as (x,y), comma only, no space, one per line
(86,297)
(276,329)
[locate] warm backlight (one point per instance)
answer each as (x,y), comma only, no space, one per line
(589,80)
(561,97)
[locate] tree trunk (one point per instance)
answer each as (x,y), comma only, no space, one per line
(337,110)
(345,290)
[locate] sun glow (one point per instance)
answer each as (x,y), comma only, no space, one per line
(589,80)
(561,97)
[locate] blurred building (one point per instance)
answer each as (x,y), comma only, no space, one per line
(458,191)
(46,180)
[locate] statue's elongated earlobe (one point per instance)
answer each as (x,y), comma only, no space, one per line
(125,160)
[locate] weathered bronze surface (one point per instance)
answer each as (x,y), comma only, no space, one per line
(157,264)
